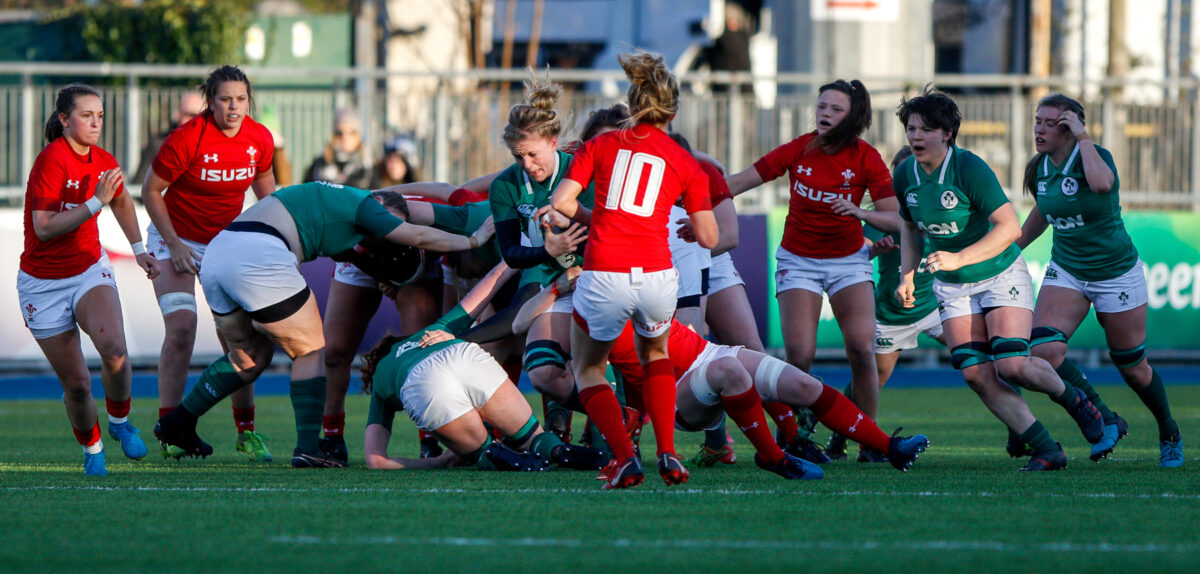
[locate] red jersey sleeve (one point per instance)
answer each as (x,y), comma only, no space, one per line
(879,179)
(175,155)
(45,188)
(718,190)
(461,197)
(777,161)
(695,188)
(582,164)
(266,158)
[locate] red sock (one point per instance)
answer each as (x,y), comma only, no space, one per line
(746,410)
(423,434)
(658,391)
(244,419)
(601,404)
(88,437)
(334,425)
(785,420)
(117,409)
(836,411)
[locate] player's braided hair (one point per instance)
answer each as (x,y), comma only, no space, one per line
(64,104)
(936,109)
(219,76)
(857,121)
(653,92)
(535,117)
(372,358)
(613,116)
(1062,103)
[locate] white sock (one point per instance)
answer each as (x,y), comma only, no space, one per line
(96,448)
(116,420)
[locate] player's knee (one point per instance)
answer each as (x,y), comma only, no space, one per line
(1128,358)
(77,389)
(552,381)
(970,354)
(727,376)
(112,349)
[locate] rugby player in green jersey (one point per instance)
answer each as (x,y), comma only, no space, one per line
(259,299)
(1093,263)
(453,389)
(950,197)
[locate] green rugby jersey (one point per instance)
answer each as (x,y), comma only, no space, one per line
(952,205)
(513,195)
(466,220)
(1090,240)
(392,371)
(332,218)
(889,311)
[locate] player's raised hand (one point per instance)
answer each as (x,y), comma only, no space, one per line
(565,241)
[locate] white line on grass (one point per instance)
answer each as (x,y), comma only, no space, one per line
(677,492)
(736,544)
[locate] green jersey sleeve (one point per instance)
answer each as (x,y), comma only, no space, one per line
(452,219)
(454,322)
(901,182)
(375,218)
(380,413)
(980,184)
(503,194)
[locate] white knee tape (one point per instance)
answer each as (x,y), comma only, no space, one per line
(766,377)
(172,302)
(700,387)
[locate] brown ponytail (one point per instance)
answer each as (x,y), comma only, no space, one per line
(536,117)
(653,92)
(372,358)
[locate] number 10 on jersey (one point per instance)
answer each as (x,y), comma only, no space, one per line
(626,175)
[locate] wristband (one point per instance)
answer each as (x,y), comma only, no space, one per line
(1083,135)
(138,248)
(473,241)
(94,205)
(554,288)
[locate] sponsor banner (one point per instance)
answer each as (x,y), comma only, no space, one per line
(1169,245)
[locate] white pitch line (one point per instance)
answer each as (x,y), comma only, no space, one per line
(576,491)
(721,544)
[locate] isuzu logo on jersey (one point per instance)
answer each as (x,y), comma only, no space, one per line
(240,174)
(801,170)
(73,183)
(210,158)
(949,200)
(818,195)
(1069,186)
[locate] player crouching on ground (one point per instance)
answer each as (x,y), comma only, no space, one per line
(714,379)
(451,388)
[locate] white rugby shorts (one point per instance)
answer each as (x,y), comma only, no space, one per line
(1122,293)
(605,300)
(1012,287)
(821,275)
(450,383)
(48,305)
(892,338)
(249,270)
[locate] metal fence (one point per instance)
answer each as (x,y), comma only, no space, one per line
(457,118)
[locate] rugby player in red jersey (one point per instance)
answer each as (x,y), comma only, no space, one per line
(205,167)
(822,251)
(66,283)
(639,172)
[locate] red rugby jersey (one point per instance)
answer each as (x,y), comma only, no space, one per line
(718,190)
(683,346)
(61,179)
(812,228)
(639,173)
(209,173)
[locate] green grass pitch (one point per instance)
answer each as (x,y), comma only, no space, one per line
(963,506)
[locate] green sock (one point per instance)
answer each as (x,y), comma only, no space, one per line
(1068,397)
(1038,437)
(1154,396)
(218,381)
(617,381)
(806,421)
(594,437)
(308,401)
(519,438)
(1072,376)
(476,456)
(544,444)
(717,438)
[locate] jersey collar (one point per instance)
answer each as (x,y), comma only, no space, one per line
(1066,166)
(941,173)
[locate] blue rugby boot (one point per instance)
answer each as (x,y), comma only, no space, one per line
(1113,433)
(903,451)
(130,438)
(1171,452)
(95,464)
(792,468)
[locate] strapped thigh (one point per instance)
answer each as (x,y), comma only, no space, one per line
(1128,357)
(545,352)
(970,354)
(1043,335)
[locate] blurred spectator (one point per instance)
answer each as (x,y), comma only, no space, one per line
(399,165)
(282,165)
(189,107)
(731,51)
(345,159)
